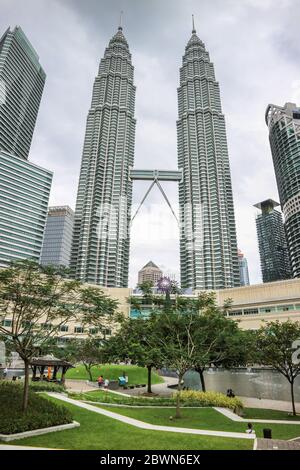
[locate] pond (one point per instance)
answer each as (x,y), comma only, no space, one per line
(256,383)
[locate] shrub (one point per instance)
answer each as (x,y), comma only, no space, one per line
(41,412)
(43,386)
(196,398)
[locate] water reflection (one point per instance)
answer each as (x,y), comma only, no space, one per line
(248,383)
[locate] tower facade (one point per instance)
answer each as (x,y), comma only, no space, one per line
(22,82)
(284,134)
(57,241)
(273,251)
(244,271)
(150,273)
(24,196)
(100,249)
(208,246)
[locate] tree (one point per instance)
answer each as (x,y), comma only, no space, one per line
(136,342)
(38,301)
(276,344)
(89,352)
(173,334)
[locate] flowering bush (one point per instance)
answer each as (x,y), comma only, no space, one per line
(197,398)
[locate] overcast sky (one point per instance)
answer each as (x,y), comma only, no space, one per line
(255,47)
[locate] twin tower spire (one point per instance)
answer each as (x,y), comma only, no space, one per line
(101,240)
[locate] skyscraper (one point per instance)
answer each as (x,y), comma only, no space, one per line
(22,82)
(57,241)
(150,273)
(274,258)
(24,196)
(284,134)
(244,272)
(100,250)
(208,246)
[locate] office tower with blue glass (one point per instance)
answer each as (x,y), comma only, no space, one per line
(273,251)
(58,234)
(24,196)
(244,271)
(284,134)
(22,82)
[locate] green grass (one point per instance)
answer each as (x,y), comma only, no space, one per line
(98,432)
(107,397)
(136,375)
(258,413)
(203,418)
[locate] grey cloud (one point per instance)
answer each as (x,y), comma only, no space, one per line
(254,46)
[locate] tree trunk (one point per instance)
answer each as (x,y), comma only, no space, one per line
(149,389)
(293,397)
(26,386)
(88,368)
(178,401)
(202,379)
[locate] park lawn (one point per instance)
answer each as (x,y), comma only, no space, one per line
(98,432)
(136,375)
(203,418)
(259,413)
(102,396)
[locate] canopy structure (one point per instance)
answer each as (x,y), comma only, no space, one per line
(50,364)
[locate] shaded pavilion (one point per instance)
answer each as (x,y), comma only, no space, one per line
(40,364)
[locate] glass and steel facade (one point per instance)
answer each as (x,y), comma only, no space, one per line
(284,134)
(244,271)
(100,249)
(273,251)
(22,82)
(58,234)
(24,195)
(208,246)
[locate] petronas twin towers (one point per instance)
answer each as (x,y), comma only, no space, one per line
(208,247)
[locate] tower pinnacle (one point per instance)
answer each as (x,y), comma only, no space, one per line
(193,21)
(120,28)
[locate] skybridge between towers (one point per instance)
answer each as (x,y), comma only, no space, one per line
(155,176)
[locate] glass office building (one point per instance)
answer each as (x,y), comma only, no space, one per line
(100,249)
(208,245)
(24,195)
(22,82)
(273,251)
(58,234)
(244,271)
(284,135)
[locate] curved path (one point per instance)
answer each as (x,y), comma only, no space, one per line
(151,427)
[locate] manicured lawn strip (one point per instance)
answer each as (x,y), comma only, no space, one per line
(203,418)
(107,397)
(136,375)
(257,413)
(98,432)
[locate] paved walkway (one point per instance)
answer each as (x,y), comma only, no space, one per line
(78,386)
(267,404)
(272,444)
(229,414)
(151,427)
(11,447)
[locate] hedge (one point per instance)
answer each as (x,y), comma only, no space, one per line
(196,398)
(41,413)
(43,386)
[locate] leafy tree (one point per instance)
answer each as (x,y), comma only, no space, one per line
(276,346)
(135,342)
(173,334)
(38,301)
(89,352)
